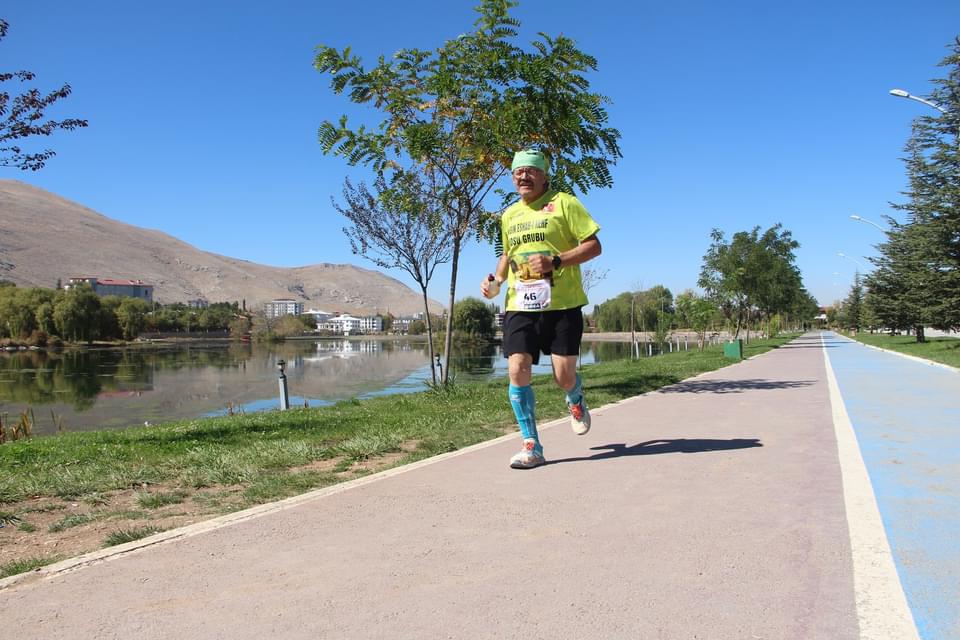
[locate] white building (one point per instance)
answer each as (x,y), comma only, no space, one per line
(283,307)
(371,324)
(351,325)
(402,323)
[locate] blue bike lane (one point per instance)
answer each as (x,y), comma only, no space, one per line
(906,416)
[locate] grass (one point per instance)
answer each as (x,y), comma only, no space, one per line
(71,521)
(943,350)
(27,564)
(129,535)
(262,455)
(160,499)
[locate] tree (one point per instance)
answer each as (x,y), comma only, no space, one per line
(697,313)
(591,276)
(76,314)
(853,305)
(22,117)
(474,318)
(917,279)
(455,115)
(396,229)
(614,314)
(240,326)
(417,328)
(132,317)
(751,272)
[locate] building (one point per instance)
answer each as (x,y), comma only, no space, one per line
(283,307)
(318,315)
(198,303)
(402,324)
(110,287)
(371,324)
(351,325)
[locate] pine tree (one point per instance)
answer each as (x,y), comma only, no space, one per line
(917,280)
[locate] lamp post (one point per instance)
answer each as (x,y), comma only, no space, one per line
(284,398)
(859,219)
(857,262)
(900,93)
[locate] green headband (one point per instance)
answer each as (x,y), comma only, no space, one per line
(529,158)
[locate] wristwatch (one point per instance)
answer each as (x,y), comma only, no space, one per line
(556,262)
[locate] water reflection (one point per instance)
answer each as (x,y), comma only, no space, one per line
(103,389)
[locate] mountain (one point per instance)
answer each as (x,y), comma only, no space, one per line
(44,237)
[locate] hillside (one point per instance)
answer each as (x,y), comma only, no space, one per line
(44,237)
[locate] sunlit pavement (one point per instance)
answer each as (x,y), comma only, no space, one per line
(731,505)
(906,415)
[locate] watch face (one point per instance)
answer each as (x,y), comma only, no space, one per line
(556,262)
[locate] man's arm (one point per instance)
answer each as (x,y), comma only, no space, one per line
(500,275)
(586,250)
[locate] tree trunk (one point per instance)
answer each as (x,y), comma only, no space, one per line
(918,329)
(448,339)
(426,310)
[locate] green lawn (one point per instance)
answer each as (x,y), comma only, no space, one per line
(945,350)
(267,454)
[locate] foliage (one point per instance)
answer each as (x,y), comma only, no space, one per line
(289,325)
(697,313)
(852,310)
(917,277)
(396,228)
(76,314)
(630,311)
(23,117)
(417,328)
(473,317)
(752,272)
(455,115)
(132,316)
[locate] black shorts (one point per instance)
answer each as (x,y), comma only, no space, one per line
(551,332)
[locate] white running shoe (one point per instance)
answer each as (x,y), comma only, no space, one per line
(579,417)
(530,456)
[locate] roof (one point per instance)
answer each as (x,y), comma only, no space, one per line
(138,283)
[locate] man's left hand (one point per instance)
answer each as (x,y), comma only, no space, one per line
(540,263)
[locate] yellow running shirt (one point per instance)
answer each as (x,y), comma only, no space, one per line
(554,223)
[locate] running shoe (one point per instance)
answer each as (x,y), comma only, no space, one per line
(530,456)
(579,417)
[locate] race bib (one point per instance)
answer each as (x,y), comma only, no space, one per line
(533,295)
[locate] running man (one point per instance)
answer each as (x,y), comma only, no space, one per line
(546,235)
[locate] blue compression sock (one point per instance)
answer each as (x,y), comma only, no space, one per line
(523,403)
(575,395)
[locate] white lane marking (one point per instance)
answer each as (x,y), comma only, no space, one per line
(882,608)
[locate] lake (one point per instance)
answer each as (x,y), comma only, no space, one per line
(114,388)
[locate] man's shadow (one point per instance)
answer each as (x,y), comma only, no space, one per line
(654,447)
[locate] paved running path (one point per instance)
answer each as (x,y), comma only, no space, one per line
(906,414)
(711,509)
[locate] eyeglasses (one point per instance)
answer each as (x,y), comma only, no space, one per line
(525,171)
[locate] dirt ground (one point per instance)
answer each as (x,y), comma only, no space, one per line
(55,529)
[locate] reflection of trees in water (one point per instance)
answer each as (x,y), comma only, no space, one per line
(607,351)
(474,359)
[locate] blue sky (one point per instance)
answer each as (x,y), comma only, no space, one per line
(203,120)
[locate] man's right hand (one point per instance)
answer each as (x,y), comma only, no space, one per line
(485,288)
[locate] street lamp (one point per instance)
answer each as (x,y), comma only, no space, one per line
(857,262)
(859,219)
(900,93)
